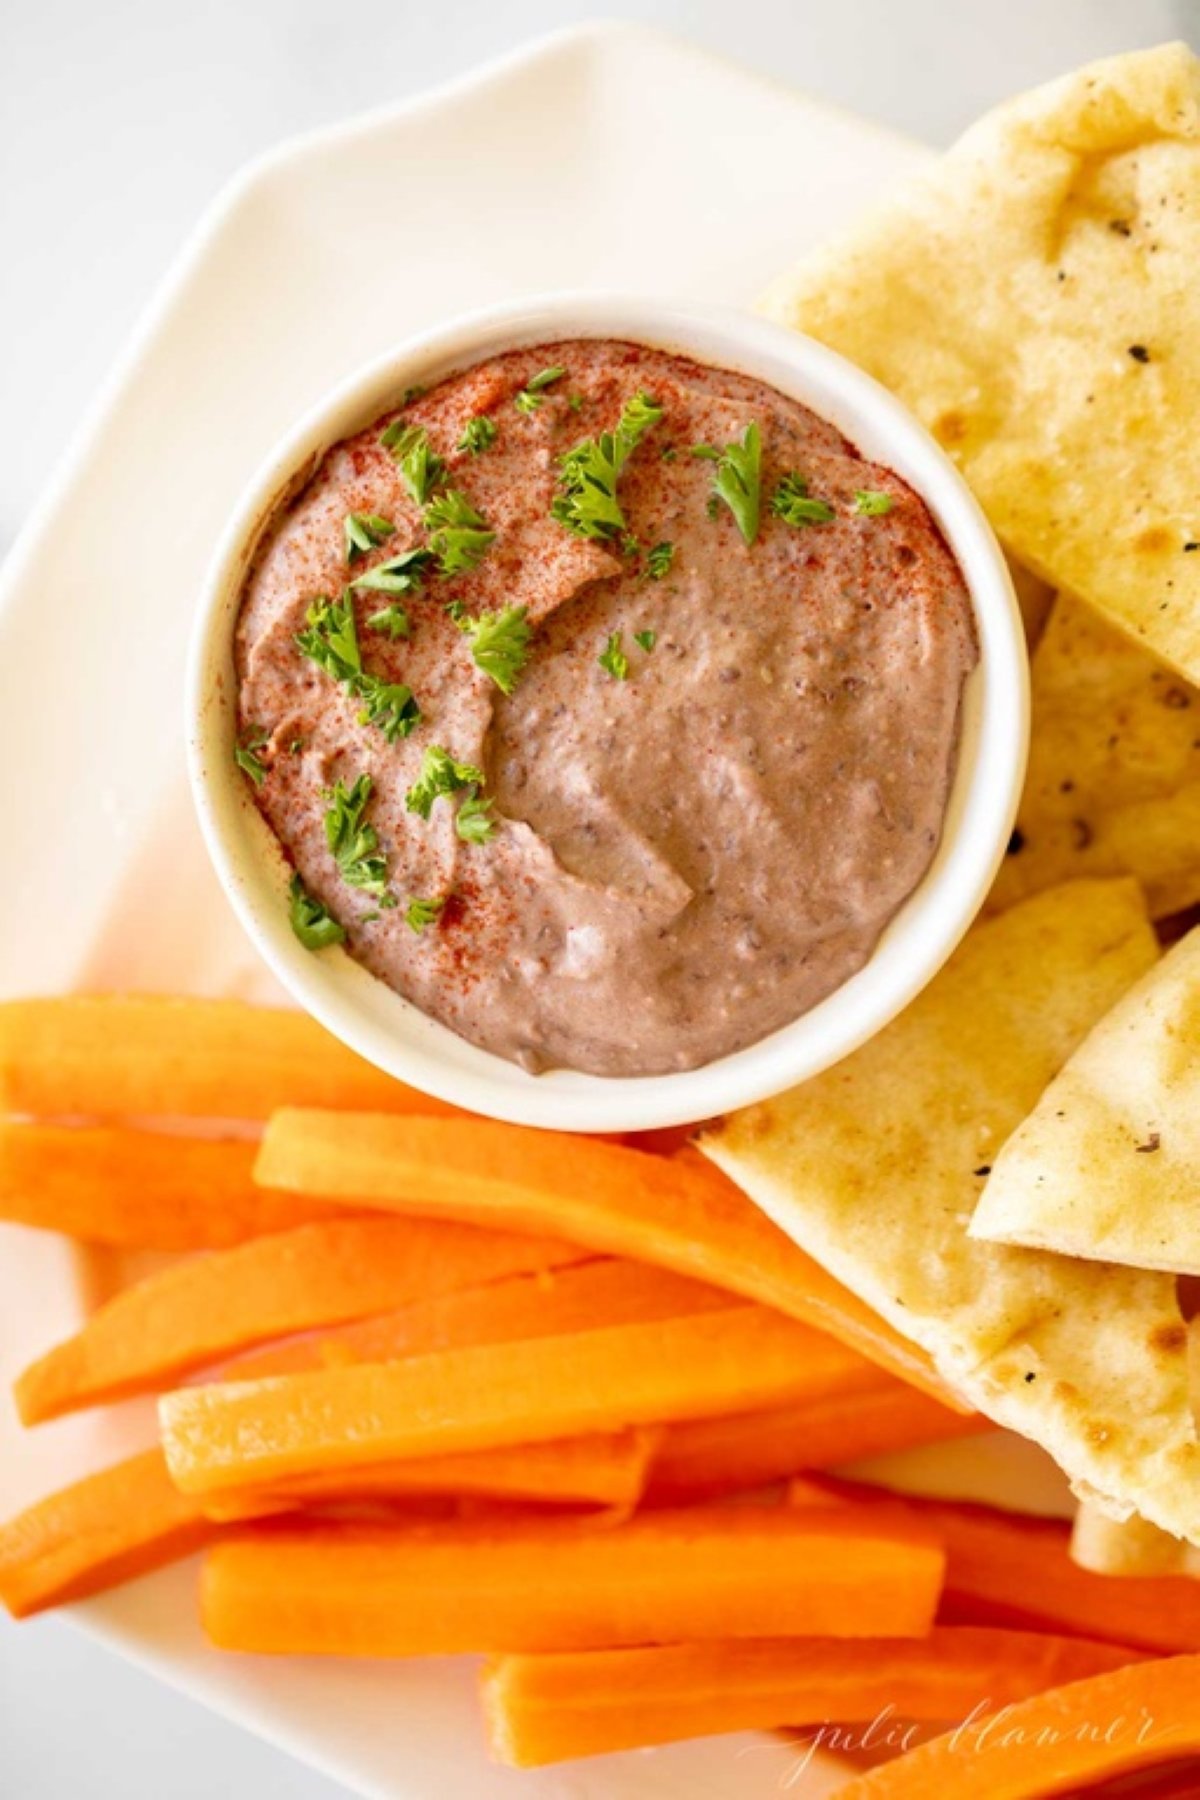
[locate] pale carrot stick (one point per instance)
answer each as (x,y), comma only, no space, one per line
(140,1190)
(601,1469)
(659,1578)
(547,1303)
(115,1055)
(250,1434)
(103,1530)
(679,1211)
(1062,1742)
(1006,1568)
(700,1459)
(544,1709)
(194,1312)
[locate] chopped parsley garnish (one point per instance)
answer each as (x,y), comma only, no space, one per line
(705,452)
(872,504)
(330,639)
(532,394)
(738,480)
(474,822)
(440,775)
(399,575)
(479,434)
(658,560)
(587,503)
(459,536)
(499,644)
(354,843)
(245,758)
(363,532)
(668,453)
(791,503)
(575,402)
(421,469)
(392,620)
(411,393)
(613,658)
(296,746)
(311,921)
(646,639)
(421,913)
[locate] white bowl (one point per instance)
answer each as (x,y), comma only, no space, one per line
(392,1033)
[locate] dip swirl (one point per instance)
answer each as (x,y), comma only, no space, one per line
(721,768)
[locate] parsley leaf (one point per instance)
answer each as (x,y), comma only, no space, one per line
(647,639)
(392,620)
(587,503)
(389,706)
(530,396)
(791,503)
(330,638)
(399,575)
(421,469)
(245,758)
(613,658)
(421,913)
(474,822)
(312,922)
(331,641)
(459,536)
(499,644)
(354,843)
(738,479)
(479,434)
(363,532)
(872,504)
(658,560)
(439,775)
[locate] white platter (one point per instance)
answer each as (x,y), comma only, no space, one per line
(604,157)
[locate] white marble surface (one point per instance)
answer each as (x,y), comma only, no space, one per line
(118,122)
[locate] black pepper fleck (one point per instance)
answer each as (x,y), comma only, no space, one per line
(1139,353)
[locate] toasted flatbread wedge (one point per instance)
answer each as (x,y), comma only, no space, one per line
(875,1166)
(1113,786)
(1034,298)
(1107,1165)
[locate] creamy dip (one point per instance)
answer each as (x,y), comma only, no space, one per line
(722,766)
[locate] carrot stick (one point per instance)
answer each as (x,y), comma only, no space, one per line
(544,1709)
(140,1190)
(103,1530)
(702,1458)
(1061,1742)
(679,1211)
(253,1433)
(546,1303)
(119,1054)
(661,1577)
(1006,1568)
(196,1311)
(601,1469)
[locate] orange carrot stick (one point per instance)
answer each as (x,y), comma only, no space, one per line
(103,1530)
(702,1458)
(544,1709)
(120,1054)
(728,1572)
(248,1434)
(1061,1742)
(546,1303)
(679,1211)
(602,1469)
(140,1190)
(1007,1568)
(197,1311)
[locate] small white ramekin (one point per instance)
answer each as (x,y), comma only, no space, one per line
(389,1031)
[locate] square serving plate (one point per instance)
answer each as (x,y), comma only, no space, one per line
(609,156)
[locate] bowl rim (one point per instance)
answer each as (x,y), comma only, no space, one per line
(392,1032)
